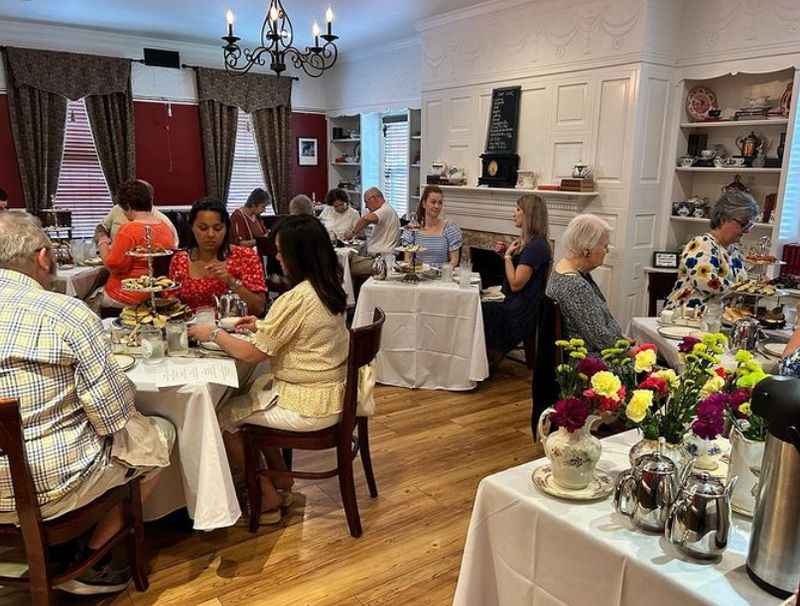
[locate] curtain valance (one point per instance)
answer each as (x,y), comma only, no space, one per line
(248,92)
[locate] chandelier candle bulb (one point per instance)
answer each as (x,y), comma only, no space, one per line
(273,17)
(315,31)
(229,19)
(329,18)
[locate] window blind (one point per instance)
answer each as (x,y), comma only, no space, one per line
(246,174)
(790,213)
(395,162)
(82,186)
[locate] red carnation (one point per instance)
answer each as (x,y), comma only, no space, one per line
(571,413)
(642,347)
(656,384)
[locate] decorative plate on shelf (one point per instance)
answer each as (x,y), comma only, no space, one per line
(599,488)
(699,100)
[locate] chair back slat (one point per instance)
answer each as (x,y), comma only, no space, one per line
(365,342)
(13,446)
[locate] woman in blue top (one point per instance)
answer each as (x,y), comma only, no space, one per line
(527,264)
(441,239)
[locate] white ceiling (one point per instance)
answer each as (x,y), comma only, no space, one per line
(360,23)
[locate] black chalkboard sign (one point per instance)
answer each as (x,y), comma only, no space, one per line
(503,120)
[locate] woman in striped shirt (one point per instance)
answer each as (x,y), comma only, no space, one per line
(440,239)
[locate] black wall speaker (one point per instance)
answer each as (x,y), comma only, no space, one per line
(162,58)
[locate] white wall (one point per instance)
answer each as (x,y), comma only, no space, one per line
(376,80)
(308,94)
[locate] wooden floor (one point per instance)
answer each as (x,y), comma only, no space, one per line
(429,451)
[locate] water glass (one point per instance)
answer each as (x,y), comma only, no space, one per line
(177,338)
(152,345)
(205,315)
(119,338)
(447,273)
(465,274)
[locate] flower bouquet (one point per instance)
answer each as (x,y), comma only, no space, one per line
(588,391)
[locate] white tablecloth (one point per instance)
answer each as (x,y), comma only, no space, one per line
(528,548)
(76,282)
(199,477)
(343,255)
(433,337)
(645,330)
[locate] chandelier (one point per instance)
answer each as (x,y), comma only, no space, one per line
(277,37)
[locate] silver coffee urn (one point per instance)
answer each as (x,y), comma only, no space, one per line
(773,561)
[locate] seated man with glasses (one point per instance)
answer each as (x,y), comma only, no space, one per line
(385,231)
(712,263)
(83,434)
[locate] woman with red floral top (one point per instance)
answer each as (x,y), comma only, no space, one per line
(212,266)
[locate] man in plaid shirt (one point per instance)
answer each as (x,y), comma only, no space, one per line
(83,434)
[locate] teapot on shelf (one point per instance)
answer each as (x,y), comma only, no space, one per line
(230,305)
(750,145)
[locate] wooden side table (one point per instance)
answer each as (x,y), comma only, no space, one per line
(659,284)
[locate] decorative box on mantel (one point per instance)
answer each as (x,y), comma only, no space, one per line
(492,209)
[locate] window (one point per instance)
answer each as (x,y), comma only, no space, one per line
(790,213)
(246,174)
(82,186)
(395,162)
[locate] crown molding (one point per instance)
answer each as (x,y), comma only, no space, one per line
(466,13)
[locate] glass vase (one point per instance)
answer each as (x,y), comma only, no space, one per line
(675,452)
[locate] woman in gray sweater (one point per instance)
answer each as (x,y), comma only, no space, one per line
(584,311)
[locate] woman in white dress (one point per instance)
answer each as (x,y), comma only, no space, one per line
(338,217)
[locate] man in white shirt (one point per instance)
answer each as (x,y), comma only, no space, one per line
(337,215)
(116,218)
(385,231)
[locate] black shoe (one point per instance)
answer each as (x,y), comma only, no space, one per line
(97,580)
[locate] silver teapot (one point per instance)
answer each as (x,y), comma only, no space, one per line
(745,334)
(646,492)
(700,520)
(230,305)
(379,268)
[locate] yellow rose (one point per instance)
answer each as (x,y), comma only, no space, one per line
(640,403)
(606,384)
(713,385)
(644,361)
(669,376)
(744,408)
(577,355)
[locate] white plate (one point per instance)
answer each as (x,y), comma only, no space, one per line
(772,349)
(677,333)
(599,488)
(124,361)
(211,346)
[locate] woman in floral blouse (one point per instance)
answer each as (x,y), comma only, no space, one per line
(711,263)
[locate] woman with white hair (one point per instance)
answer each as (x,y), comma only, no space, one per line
(301,204)
(584,311)
(711,263)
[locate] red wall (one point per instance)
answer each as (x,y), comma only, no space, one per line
(9,173)
(310,179)
(169,152)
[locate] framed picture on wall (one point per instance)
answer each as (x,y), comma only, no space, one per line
(307,152)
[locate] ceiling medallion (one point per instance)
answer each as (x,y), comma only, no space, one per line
(277,38)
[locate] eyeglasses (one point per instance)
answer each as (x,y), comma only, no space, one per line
(746,226)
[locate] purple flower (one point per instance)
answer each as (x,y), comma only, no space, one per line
(738,397)
(708,428)
(571,413)
(713,405)
(591,365)
(687,344)
(710,421)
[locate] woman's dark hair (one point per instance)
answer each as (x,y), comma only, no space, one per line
(215,206)
(336,194)
(308,254)
(258,196)
(429,189)
(135,195)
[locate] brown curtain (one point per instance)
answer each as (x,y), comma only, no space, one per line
(273,136)
(111,119)
(218,132)
(268,100)
(38,119)
(39,84)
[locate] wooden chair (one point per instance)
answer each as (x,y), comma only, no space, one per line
(546,356)
(364,345)
(36,535)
